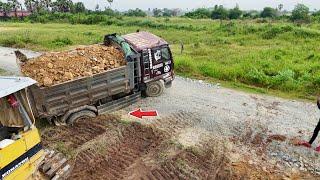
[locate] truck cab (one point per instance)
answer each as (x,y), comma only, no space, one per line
(156,61)
(20,148)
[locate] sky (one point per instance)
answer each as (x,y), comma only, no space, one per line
(192,4)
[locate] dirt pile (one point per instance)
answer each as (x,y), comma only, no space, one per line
(56,67)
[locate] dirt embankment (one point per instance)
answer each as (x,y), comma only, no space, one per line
(57,67)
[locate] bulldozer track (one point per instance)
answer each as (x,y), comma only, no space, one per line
(136,142)
(136,152)
(174,123)
(76,135)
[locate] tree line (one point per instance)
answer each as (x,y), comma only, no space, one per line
(301,13)
(43,6)
(68,6)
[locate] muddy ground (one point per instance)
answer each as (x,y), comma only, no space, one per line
(229,134)
(119,149)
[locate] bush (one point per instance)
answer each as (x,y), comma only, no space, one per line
(257,77)
(272,32)
(62,42)
(136,12)
(268,12)
(199,13)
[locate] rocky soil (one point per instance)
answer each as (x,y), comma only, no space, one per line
(56,67)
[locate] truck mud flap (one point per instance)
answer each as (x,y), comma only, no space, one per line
(119,104)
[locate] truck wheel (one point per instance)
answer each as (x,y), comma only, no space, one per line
(81,115)
(154,89)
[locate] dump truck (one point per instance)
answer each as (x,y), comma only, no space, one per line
(148,71)
(21,152)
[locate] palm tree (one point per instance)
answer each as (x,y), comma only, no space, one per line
(45,4)
(110,2)
(30,5)
(15,5)
(280,7)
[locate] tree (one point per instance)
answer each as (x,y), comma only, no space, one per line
(157,12)
(235,13)
(15,5)
(136,12)
(300,13)
(110,2)
(268,12)
(97,8)
(219,12)
(280,7)
(176,12)
(79,7)
(30,5)
(199,13)
(167,12)
(45,4)
(62,5)
(5,7)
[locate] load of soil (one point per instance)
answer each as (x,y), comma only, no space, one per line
(57,67)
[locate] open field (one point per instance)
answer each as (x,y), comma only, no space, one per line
(268,57)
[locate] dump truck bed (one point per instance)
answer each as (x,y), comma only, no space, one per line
(55,101)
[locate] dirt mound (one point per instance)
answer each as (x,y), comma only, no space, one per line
(57,67)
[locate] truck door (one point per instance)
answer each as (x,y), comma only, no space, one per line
(161,61)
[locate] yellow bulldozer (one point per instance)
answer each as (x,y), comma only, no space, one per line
(21,152)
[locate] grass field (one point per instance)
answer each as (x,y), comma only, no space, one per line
(267,57)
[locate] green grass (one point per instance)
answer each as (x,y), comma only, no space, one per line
(2,72)
(275,57)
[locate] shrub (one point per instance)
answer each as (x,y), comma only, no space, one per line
(257,77)
(136,12)
(283,77)
(62,41)
(199,13)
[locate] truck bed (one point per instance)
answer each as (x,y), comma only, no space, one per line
(55,101)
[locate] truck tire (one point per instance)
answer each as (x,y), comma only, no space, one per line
(154,89)
(81,115)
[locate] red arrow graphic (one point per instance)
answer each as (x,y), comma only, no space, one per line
(139,113)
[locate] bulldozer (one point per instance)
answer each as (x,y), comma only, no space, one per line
(21,152)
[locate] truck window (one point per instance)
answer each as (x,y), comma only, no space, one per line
(165,54)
